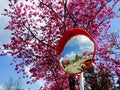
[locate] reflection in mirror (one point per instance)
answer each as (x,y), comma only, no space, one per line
(77,54)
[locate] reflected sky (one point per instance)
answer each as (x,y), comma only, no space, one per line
(77,45)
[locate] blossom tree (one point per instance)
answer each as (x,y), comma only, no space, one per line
(37,26)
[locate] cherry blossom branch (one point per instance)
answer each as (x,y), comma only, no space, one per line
(107,14)
(41,41)
(72,18)
(55,78)
(65,7)
(47,6)
(28,28)
(101,8)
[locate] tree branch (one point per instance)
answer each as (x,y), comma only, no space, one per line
(41,41)
(47,6)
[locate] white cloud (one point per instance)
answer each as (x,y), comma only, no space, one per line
(1,87)
(41,82)
(78,40)
(2,51)
(4,34)
(81,42)
(89,47)
(27,68)
(70,56)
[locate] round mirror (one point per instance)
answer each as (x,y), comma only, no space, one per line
(76,49)
(77,54)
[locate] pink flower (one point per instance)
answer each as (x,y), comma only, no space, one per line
(15,1)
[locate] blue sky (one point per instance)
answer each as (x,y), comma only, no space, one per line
(7,71)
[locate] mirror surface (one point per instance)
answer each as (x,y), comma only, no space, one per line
(77,54)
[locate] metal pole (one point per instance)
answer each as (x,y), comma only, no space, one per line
(81,81)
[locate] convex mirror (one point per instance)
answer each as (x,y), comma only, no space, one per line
(77,54)
(76,50)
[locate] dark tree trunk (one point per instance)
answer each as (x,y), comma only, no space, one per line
(71,83)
